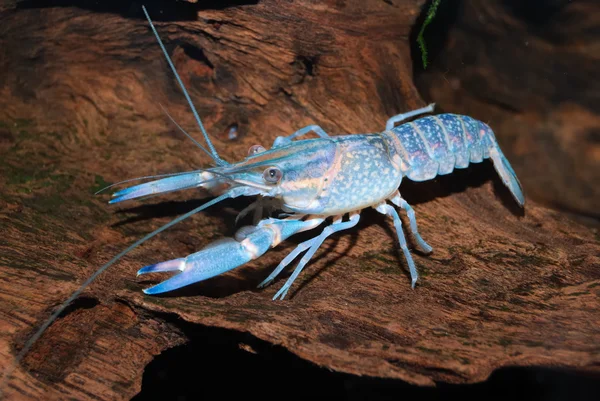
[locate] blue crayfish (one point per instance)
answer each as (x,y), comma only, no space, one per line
(313,180)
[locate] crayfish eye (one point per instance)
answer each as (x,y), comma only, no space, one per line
(272,175)
(254,149)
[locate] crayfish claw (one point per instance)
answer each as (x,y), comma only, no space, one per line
(169,266)
(177,281)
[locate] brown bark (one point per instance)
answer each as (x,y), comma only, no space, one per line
(79,105)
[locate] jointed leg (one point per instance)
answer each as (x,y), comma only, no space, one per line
(401,117)
(337,225)
(384,208)
(280,140)
(287,260)
(401,203)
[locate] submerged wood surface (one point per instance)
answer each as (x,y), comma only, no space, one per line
(79,94)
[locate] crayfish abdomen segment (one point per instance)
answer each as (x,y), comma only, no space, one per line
(436,145)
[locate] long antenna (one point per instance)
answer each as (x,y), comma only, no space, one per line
(57,312)
(186,134)
(8,372)
(218,160)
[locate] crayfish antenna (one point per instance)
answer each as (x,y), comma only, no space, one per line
(185,132)
(213,151)
(8,372)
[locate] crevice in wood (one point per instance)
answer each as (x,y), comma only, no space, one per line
(256,368)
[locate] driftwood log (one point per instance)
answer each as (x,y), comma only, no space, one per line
(80,87)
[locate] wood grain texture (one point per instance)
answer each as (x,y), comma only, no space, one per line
(79,109)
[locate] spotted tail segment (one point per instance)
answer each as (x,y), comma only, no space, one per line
(436,145)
